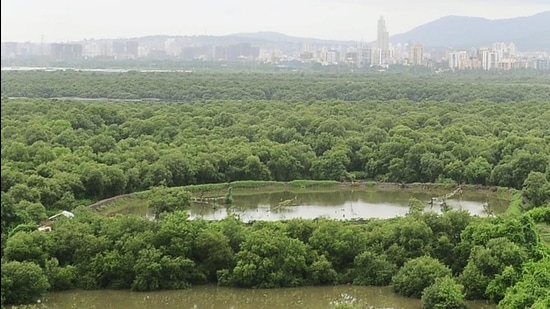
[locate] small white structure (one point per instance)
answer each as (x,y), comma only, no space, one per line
(45,229)
(65,213)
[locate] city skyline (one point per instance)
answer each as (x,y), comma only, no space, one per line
(497,56)
(61,21)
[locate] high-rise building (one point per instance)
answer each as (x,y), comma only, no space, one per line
(220,53)
(457,59)
(332,56)
(119,49)
(66,52)
(489,59)
(512,50)
(500,48)
(383,38)
(173,46)
(188,53)
(364,56)
(9,49)
(542,64)
(234,52)
(125,49)
(306,47)
(132,49)
(416,54)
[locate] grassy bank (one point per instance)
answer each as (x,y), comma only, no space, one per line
(544,232)
(137,202)
(515,208)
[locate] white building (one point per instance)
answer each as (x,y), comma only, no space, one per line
(456,59)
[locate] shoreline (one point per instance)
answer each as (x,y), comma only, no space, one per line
(313,185)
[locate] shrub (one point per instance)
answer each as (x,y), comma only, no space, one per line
(23,282)
(417,274)
(372,269)
(445,293)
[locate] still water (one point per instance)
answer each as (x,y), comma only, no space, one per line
(337,204)
(213,297)
(267,205)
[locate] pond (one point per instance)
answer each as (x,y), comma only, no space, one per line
(253,205)
(261,204)
(213,297)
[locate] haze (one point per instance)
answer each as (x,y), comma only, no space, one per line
(66,20)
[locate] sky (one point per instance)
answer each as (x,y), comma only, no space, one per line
(75,20)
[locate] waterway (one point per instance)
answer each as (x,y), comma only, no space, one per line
(213,297)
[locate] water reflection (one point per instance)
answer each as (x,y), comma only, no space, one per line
(340,204)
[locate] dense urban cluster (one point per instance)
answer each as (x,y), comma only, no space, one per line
(381,54)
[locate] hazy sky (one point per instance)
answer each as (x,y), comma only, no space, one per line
(70,20)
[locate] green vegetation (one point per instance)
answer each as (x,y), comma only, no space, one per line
(545,233)
(63,154)
(22,282)
(136,204)
(310,184)
(418,274)
(278,86)
(91,251)
(161,200)
(532,290)
(230,131)
(445,293)
(373,269)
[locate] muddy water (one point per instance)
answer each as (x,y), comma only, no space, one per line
(261,205)
(339,204)
(213,297)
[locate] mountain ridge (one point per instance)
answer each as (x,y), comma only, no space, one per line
(278,36)
(527,32)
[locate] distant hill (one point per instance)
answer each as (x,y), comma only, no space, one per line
(531,33)
(280,37)
(528,33)
(264,39)
(266,36)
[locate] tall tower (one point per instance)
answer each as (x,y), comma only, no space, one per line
(416,54)
(383,38)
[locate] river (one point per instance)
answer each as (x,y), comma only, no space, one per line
(213,297)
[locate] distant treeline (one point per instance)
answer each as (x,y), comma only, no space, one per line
(277,86)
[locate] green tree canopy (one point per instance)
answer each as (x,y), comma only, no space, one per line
(417,274)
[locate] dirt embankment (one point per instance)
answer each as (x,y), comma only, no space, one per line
(96,205)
